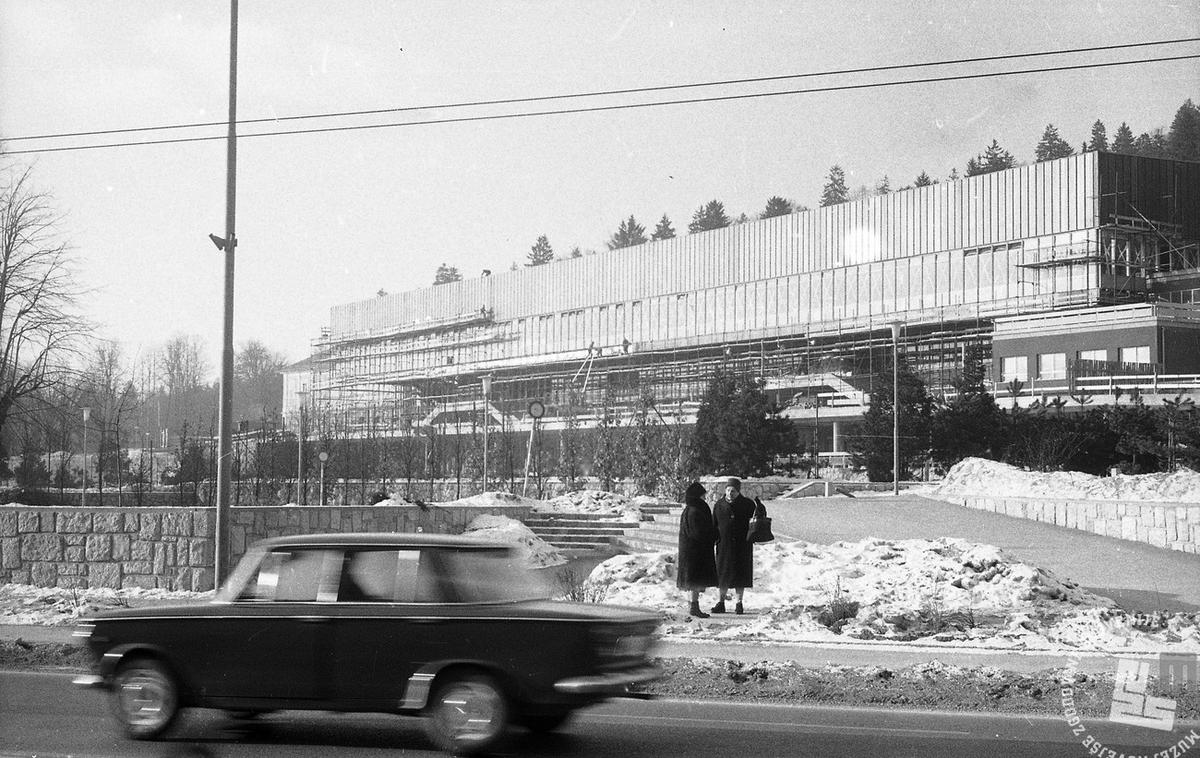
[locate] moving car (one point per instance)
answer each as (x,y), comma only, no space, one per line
(446,627)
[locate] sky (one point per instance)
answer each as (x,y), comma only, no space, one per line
(329,218)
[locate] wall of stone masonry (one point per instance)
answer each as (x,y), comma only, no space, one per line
(173,548)
(1163,524)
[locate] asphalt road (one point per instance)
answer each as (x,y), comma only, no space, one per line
(1139,577)
(43,715)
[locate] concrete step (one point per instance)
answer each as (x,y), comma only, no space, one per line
(580,516)
(578,524)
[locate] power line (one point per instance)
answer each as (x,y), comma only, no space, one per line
(617,107)
(628,91)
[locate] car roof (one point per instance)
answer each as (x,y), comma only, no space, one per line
(378,539)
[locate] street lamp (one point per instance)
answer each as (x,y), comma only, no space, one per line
(300,447)
(83,493)
(896,407)
(323,456)
(487,417)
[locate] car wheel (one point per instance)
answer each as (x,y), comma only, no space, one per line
(468,713)
(544,723)
(145,697)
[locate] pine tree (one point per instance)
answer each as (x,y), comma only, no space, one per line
(883,186)
(777,206)
(1123,140)
(1052,146)
(1099,136)
(738,430)
(540,253)
(873,447)
(664,230)
(993,158)
(708,217)
(1151,144)
(835,190)
(923,180)
(628,234)
(953,175)
(1183,138)
(446,274)
(576,252)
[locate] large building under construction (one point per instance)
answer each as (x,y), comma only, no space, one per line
(1067,273)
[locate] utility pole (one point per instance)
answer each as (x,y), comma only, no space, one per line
(896,408)
(224,455)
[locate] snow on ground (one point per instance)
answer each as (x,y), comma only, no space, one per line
(976,476)
(536,552)
(946,591)
(52,606)
(600,502)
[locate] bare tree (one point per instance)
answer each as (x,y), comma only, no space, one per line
(113,398)
(258,383)
(183,369)
(39,327)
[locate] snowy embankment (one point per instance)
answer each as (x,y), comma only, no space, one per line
(976,476)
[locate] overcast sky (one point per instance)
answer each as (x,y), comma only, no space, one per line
(330,218)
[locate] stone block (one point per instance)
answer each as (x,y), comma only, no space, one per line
(73,523)
(202,580)
(204,522)
(1156,536)
(132,523)
(72,569)
(1160,516)
(107,522)
(8,524)
(43,574)
(29,522)
(10,552)
(160,560)
(75,553)
(20,577)
(41,547)
(177,523)
(106,574)
(142,550)
(122,547)
(137,567)
(1129,527)
(149,526)
(200,553)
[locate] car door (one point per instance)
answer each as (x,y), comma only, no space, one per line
(270,643)
(386,624)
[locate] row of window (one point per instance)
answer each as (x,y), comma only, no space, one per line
(1054,365)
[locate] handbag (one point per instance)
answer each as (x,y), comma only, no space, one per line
(760,524)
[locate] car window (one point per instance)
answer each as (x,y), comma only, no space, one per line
(376,576)
(486,576)
(292,576)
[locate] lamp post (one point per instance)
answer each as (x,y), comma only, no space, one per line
(324,456)
(896,407)
(300,448)
(83,493)
(487,417)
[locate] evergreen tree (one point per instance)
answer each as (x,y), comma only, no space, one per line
(1099,136)
(993,158)
(970,425)
(883,186)
(648,443)
(777,206)
(708,217)
(835,190)
(953,175)
(1151,144)
(446,274)
(609,450)
(1123,140)
(1183,138)
(664,230)
(628,234)
(540,253)
(923,180)
(738,430)
(576,252)
(1052,146)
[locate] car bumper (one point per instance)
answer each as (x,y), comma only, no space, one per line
(90,682)
(615,683)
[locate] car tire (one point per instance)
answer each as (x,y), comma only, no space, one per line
(467,714)
(145,698)
(544,723)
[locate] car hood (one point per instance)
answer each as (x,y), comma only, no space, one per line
(593,611)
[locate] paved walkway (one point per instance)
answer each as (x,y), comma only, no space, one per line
(1140,577)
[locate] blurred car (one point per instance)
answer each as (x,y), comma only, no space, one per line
(445,627)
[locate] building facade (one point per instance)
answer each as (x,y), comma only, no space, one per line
(1082,266)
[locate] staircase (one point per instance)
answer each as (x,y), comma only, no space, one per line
(579,531)
(660,533)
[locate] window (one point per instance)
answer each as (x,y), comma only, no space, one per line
(379,576)
(293,576)
(1015,367)
(1093,355)
(1138,354)
(1052,366)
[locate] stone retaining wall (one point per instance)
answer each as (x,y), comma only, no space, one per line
(1162,524)
(173,548)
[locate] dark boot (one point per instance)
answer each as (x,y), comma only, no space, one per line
(719,607)
(738,609)
(695,611)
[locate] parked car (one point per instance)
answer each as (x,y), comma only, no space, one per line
(446,627)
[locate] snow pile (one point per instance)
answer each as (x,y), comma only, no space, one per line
(591,501)
(534,551)
(944,590)
(976,476)
(54,606)
(491,500)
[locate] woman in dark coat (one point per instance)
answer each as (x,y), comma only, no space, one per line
(735,555)
(697,533)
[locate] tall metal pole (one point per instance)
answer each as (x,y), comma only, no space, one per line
(83,492)
(225,456)
(300,451)
(896,408)
(487,417)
